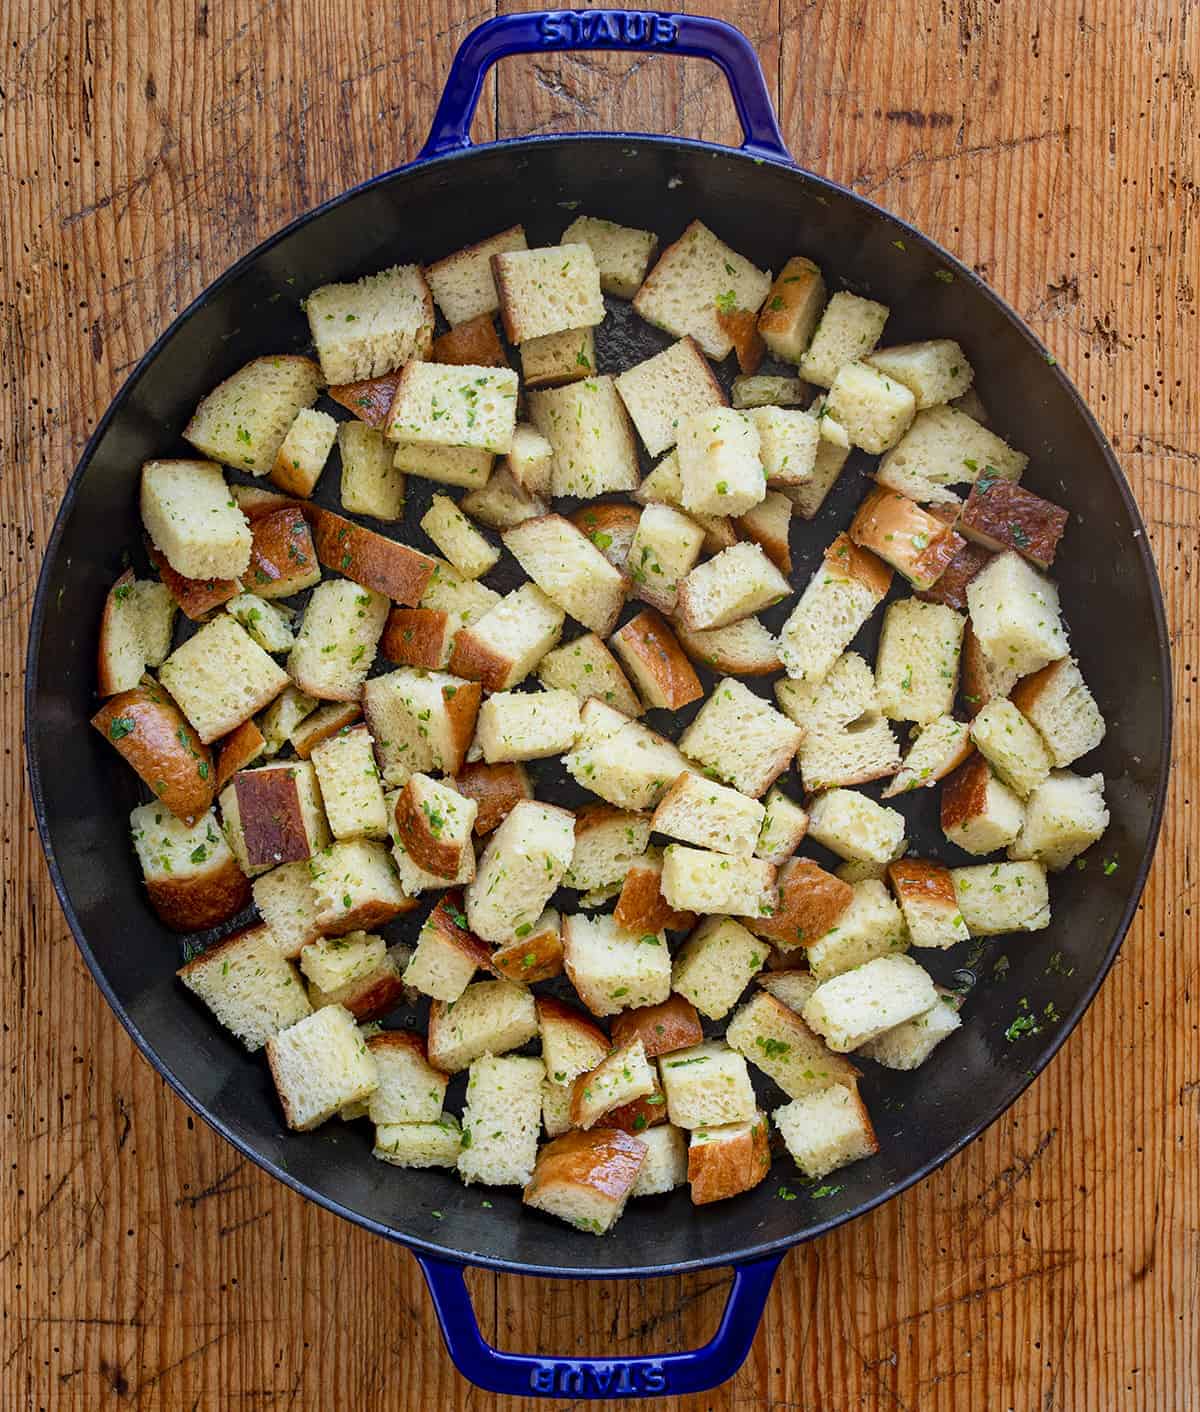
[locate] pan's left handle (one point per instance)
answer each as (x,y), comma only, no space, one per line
(534,1375)
(639,31)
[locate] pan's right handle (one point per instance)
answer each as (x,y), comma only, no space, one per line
(639,31)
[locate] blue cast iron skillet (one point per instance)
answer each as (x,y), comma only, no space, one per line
(765,206)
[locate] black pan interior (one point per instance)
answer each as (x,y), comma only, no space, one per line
(769,212)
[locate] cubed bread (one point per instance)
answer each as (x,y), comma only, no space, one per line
(269,625)
(842,697)
(875,410)
(331,962)
(536,954)
(983,679)
(925,892)
(830,461)
(373,326)
(418,637)
(916,670)
(495,790)
(374,993)
(792,987)
(951,587)
(743,649)
(243,421)
(444,404)
(622,253)
(737,583)
(852,825)
(641,906)
(320,1064)
(527,725)
(773,1037)
(569,569)
(720,467)
(414,879)
(1012,747)
(585,1178)
(249,985)
(463,600)
(1058,702)
(447,954)
(826,1130)
(913,541)
(502,1120)
(462,283)
(196,598)
(466,466)
(662,390)
(501,648)
(419,1144)
(1000,515)
(490,1017)
(664,550)
(288,905)
(557,358)
(135,632)
(907,1046)
(710,815)
(1064,815)
(410,1089)
(290,709)
(220,678)
(420,721)
(833,757)
(191,517)
(681,292)
(571,1043)
(547,290)
(664,486)
(872,925)
(665,1164)
(621,760)
(788,444)
(587,668)
(150,733)
(783,826)
(938,748)
(1015,615)
(350,787)
(914,486)
(944,446)
(356,887)
(727,1159)
(656,663)
(473,342)
(373,560)
(706,1086)
(766,390)
(810,903)
(371,484)
(613,969)
(741,739)
(531,460)
(522,865)
(274,815)
(673,1024)
(611,526)
(995,898)
(857,1005)
(696,880)
(848,329)
(619,1078)
(607,842)
(434,822)
(337,641)
(935,370)
(793,307)
(283,557)
(979,812)
(587,425)
(239,749)
(716,964)
(840,597)
(369,399)
(303,451)
(768,524)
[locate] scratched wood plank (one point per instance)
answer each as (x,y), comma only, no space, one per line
(1055,1264)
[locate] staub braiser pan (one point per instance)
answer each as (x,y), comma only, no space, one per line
(764,205)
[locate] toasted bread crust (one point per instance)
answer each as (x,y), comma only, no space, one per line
(847,560)
(369,916)
(616,520)
(151,733)
(474,344)
(1028,691)
(255,501)
(308,736)
(105,685)
(442,921)
(478,661)
(512,960)
(241,747)
(204,900)
(605,1160)
(415,831)
(896,528)
(810,903)
(196,597)
(674,1024)
(282,555)
(918,879)
(973,673)
(551,1009)
(649,641)
(416,637)
(717,1170)
(372,996)
(370,400)
(462,706)
(495,789)
(271,817)
(951,587)
(407,1040)
(964,794)
(393,569)
(742,327)
(642,907)
(1001,515)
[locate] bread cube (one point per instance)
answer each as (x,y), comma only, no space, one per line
(303,451)
(875,410)
(530,461)
(243,421)
(371,559)
(1000,515)
(872,925)
(571,1043)
(336,644)
(547,291)
(907,1046)
(810,903)
(792,988)
(288,905)
(764,390)
(414,879)
(371,484)
(442,404)
(191,517)
(661,391)
(995,898)
(854,826)
(290,709)
(472,342)
(951,587)
(410,1089)
(373,326)
(434,823)
(508,642)
(135,632)
(332,962)
(274,815)
(830,461)
(935,370)
(979,812)
(374,993)
(788,444)
(656,663)
(833,757)
(495,790)
(249,985)
(664,550)
(585,1179)
(793,306)
(447,954)
(839,598)
(916,671)
(557,358)
(826,1130)
(150,733)
(1058,702)
(607,842)
(665,1164)
(522,865)
(741,739)
(320,1064)
(925,892)
(610,525)
(661,1028)
(467,466)
(641,906)
(527,725)
(1064,815)
(710,815)
(783,826)
(369,399)
(768,524)
(418,637)
(462,283)
(728,1159)
(707,1086)
(220,678)
(774,1038)
(983,679)
(356,887)
(857,1005)
(490,1017)
(569,569)
(622,253)
(420,721)
(618,1079)
(613,969)
(841,698)
(350,787)
(720,468)
(283,558)
(419,1144)
(587,668)
(743,649)
(735,584)
(589,429)
(742,328)
(535,955)
(696,880)
(1012,747)
(681,292)
(1015,614)
(849,328)
(916,543)
(939,747)
(946,447)
(463,600)
(716,963)
(269,626)
(622,761)
(502,1121)
(664,486)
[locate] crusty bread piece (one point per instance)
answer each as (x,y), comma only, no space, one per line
(613,969)
(1012,747)
(434,823)
(350,787)
(852,825)
(914,486)
(672,1024)
(773,1037)
(374,994)
(527,725)
(274,815)
(794,988)
(522,865)
(239,749)
(191,517)
(458,539)
(462,283)
(369,399)
(995,898)
(916,543)
(220,678)
(288,905)
(607,842)
(356,887)
(490,1017)
(473,342)
(938,748)
(410,1089)
(303,451)
(587,425)
(502,647)
(249,985)
(727,1159)
(419,1144)
(336,644)
(468,466)
(547,290)
(706,1086)
(860,1004)
(664,486)
(741,739)
(420,721)
(743,649)
(641,906)
(569,569)
(667,387)
(681,292)
(1064,815)
(793,306)
(501,503)
(535,955)
(826,1130)
(849,328)
(283,557)
(842,697)
(463,600)
(872,925)
(979,812)
(320,1064)
(571,1045)
(501,1120)
(810,902)
(875,410)
(373,326)
(1058,702)
(946,447)
(531,460)
(925,892)
(907,1046)
(784,824)
(553,359)
(371,559)
(322,723)
(418,637)
(951,587)
(150,733)
(742,328)
(983,679)
(622,253)
(621,760)
(721,472)
(243,421)
(697,880)
(665,1164)
(619,1078)
(839,598)
(656,663)
(935,370)
(135,632)
(445,404)
(192,879)
(585,1179)
(447,954)
(836,756)
(916,670)
(710,815)
(268,624)
(290,709)
(332,962)
(788,443)
(1000,515)
(371,484)
(611,526)
(196,598)
(737,583)
(663,551)
(768,524)
(495,789)
(716,964)
(586,667)
(831,457)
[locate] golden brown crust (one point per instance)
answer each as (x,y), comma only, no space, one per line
(370,400)
(153,736)
(951,587)
(478,661)
(1028,691)
(105,684)
(759,530)
(311,732)
(605,1160)
(533,958)
(419,835)
(448,920)
(673,1024)
(725,662)
(789,292)
(370,997)
(810,902)
(271,818)
(642,907)
(648,641)
(741,327)
(905,536)
(641,1114)
(241,747)
(417,637)
(920,880)
(196,597)
(382,564)
(611,527)
(1001,515)
(717,1170)
(212,954)
(204,900)
(471,344)
(964,794)
(282,556)
(255,501)
(495,789)
(408,1040)
(845,559)
(551,1010)
(974,673)
(462,706)
(368,916)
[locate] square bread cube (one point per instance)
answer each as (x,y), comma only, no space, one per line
(979,812)
(838,600)
(938,748)
(1064,815)
(657,664)
(558,358)
(793,307)
(793,988)
(190,515)
(766,390)
(680,293)
(918,544)
(774,1038)
(1015,615)
(875,410)
(944,446)
(788,443)
(737,583)
(834,756)
(710,815)
(303,452)
(335,961)
(741,739)
(854,826)
(502,1121)
(1001,515)
(673,1024)
(220,678)
(827,1130)
(872,925)
(243,420)
(612,969)
(916,671)
(641,906)
(783,827)
(410,1089)
(367,399)
(743,649)
(587,425)
(607,842)
(849,328)
(844,695)
(664,550)
(618,1079)
(283,557)
(269,626)
(660,391)
(502,647)
(527,725)
(531,460)
(925,892)
(624,761)
(935,370)
(490,1017)
(521,867)
(716,964)
(435,823)
(414,879)
(569,569)
(727,1160)
(571,1042)
(585,1179)
(610,525)
(536,955)
(458,539)
(810,903)
(769,525)
(288,905)
(135,632)
(420,721)
(696,880)
(446,404)
(907,1046)
(1012,747)
(547,290)
(586,667)
(252,989)
(706,1086)
(373,994)
(1058,702)
(495,789)
(447,954)
(467,466)
(418,637)
(320,1065)
(350,787)
(860,1004)
(373,326)
(665,1165)
(830,461)
(462,283)
(356,887)
(464,600)
(475,341)
(720,466)
(338,637)
(273,815)
(995,898)
(983,679)
(623,253)
(419,1144)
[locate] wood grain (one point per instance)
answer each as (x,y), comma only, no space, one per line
(1055,1264)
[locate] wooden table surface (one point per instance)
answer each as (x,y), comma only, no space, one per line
(1056,1263)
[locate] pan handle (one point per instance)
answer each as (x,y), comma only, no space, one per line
(526,1375)
(640,31)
